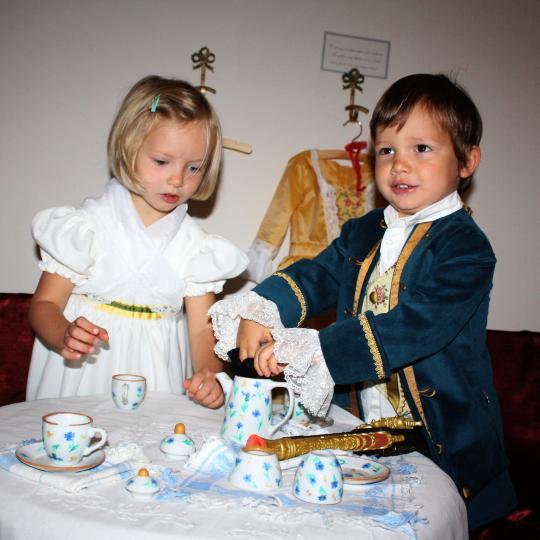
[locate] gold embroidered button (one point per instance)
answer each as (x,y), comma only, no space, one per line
(439,448)
(373,297)
(427,392)
(466,492)
(352,260)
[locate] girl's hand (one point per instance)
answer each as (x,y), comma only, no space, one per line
(81,337)
(250,337)
(204,388)
(266,363)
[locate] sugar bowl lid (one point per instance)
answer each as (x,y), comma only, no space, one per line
(178,445)
(142,485)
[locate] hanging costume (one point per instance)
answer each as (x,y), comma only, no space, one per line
(432,337)
(315,197)
(130,280)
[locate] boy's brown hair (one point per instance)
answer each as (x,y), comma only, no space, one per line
(448,102)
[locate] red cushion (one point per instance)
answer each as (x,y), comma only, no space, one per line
(16,341)
(515,359)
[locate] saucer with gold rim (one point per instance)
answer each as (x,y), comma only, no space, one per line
(34,455)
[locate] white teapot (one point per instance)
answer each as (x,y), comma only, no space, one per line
(248,407)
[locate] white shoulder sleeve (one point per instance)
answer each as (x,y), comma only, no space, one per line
(215,260)
(66,242)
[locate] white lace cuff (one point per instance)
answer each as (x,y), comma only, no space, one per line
(306,369)
(226,315)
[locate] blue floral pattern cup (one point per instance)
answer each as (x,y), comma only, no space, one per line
(256,470)
(128,391)
(319,478)
(67,436)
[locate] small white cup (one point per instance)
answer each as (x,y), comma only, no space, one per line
(128,391)
(256,470)
(319,478)
(67,435)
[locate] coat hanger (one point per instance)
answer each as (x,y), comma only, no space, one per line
(353,150)
(203,60)
(352,80)
(342,153)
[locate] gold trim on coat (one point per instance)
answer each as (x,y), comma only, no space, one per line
(298,294)
(372,344)
(419,232)
(362,273)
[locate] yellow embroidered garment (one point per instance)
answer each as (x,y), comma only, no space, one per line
(315,198)
(377,300)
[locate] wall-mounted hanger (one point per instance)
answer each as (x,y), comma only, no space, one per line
(352,80)
(203,60)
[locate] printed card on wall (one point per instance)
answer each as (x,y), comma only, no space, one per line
(342,53)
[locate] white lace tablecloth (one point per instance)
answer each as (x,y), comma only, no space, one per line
(30,510)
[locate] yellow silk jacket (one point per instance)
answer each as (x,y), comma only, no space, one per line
(315,197)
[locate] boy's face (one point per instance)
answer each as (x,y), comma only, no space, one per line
(417,166)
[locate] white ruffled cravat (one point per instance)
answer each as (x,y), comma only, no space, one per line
(399,228)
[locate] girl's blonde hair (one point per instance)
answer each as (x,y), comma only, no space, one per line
(178,100)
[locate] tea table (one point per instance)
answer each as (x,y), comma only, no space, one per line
(418,500)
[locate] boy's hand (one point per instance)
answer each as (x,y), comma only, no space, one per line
(266,363)
(250,337)
(204,388)
(80,338)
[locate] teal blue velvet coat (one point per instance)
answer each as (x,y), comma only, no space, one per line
(438,327)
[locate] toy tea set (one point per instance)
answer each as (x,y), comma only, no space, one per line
(320,476)
(67,436)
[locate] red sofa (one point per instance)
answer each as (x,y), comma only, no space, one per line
(16,340)
(516,370)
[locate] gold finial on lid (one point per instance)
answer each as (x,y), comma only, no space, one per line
(179,429)
(143,472)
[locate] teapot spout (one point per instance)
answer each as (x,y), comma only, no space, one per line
(226,383)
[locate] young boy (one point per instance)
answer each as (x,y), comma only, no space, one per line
(411,285)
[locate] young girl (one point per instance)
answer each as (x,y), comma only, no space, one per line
(118,270)
(411,285)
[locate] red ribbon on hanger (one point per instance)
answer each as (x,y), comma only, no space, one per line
(354,150)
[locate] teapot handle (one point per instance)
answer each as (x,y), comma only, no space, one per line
(273,429)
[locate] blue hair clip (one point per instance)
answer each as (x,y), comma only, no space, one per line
(155,103)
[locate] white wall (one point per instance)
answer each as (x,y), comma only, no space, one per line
(65,65)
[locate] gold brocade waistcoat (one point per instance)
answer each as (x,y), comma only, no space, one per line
(377,300)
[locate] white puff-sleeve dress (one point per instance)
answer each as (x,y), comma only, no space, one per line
(130,280)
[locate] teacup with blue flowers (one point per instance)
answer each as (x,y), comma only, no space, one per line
(319,478)
(256,469)
(67,436)
(128,391)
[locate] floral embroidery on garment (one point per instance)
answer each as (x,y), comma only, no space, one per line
(350,204)
(377,297)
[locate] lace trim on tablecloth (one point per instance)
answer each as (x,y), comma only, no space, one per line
(226,315)
(306,370)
